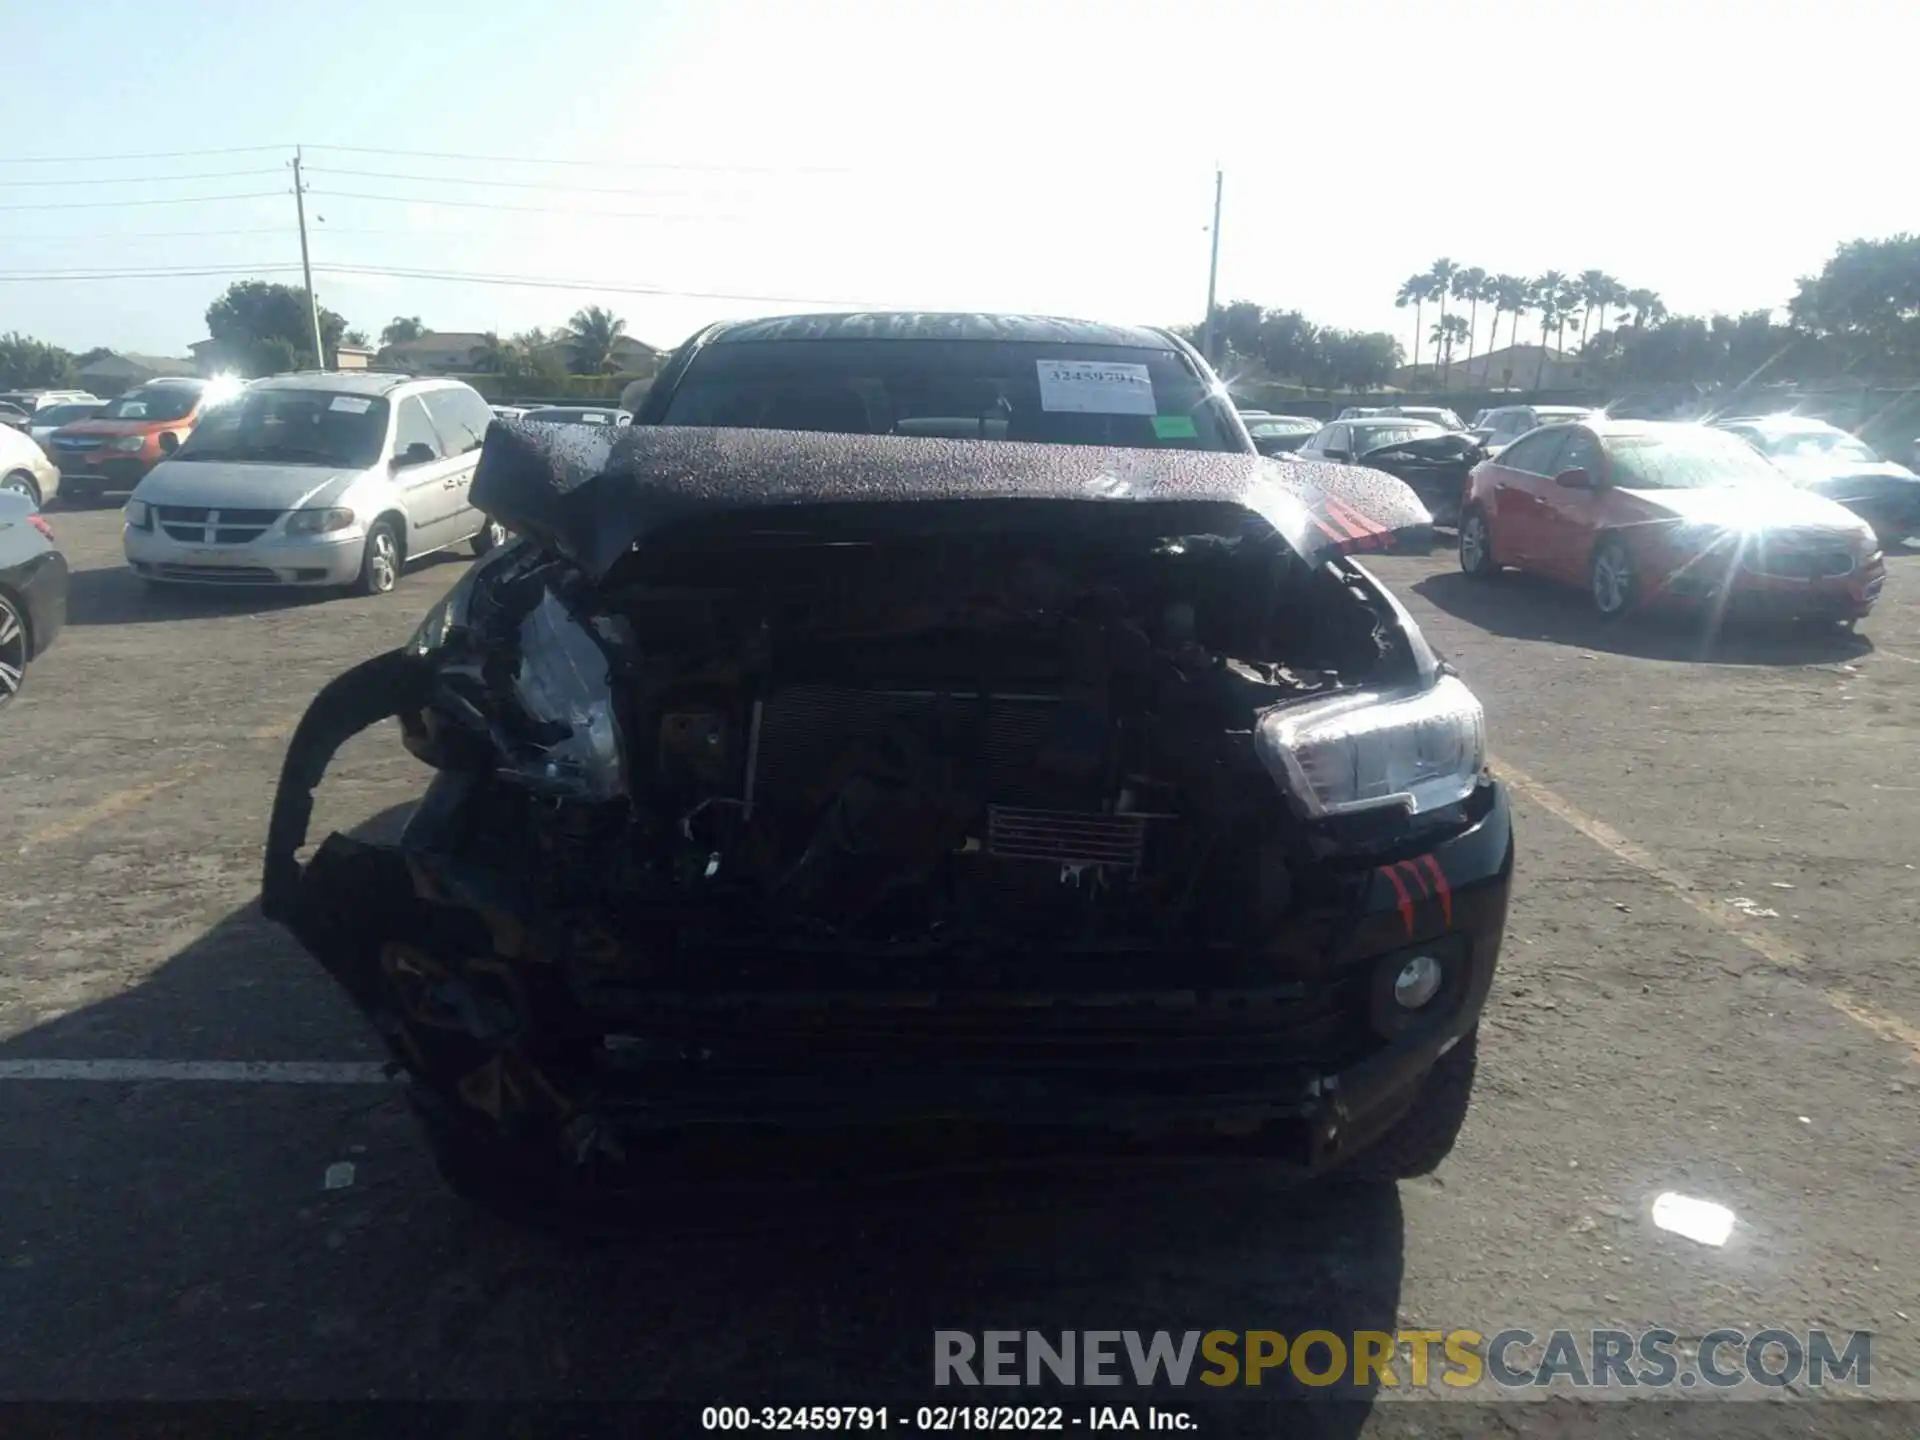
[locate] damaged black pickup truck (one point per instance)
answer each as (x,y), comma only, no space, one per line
(964,798)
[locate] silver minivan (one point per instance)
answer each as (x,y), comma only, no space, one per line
(315,479)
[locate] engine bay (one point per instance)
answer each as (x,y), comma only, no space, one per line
(930,742)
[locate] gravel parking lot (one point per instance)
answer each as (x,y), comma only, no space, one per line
(1709,987)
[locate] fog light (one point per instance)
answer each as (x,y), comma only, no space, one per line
(1417,983)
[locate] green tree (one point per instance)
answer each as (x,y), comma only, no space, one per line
(355,337)
(590,337)
(1287,340)
(1867,300)
(492,355)
(1470,285)
(1359,360)
(400,328)
(29,363)
(253,314)
(535,362)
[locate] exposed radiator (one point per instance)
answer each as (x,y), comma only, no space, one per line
(1066,838)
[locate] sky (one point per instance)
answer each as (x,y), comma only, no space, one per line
(727,159)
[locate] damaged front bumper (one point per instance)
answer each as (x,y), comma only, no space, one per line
(539,1030)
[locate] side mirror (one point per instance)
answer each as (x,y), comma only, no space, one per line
(1341,455)
(418,453)
(169,442)
(1574,479)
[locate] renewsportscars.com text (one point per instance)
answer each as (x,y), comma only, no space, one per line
(1461,1359)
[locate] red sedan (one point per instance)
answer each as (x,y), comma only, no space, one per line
(1643,513)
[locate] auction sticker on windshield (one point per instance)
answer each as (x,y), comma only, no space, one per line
(352,404)
(1095,387)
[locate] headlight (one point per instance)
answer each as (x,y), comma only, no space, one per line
(1698,539)
(1365,751)
(318,522)
(139,515)
(128,444)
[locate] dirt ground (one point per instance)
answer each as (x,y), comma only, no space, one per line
(1709,987)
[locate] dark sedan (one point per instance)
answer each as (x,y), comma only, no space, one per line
(1279,434)
(33,589)
(1827,460)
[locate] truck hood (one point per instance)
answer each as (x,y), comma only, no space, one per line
(219,486)
(593,493)
(1748,507)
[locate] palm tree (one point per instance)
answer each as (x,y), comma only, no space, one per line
(1440,281)
(590,339)
(1414,292)
(1646,306)
(491,355)
(1511,296)
(1550,297)
(1594,288)
(1470,285)
(1446,331)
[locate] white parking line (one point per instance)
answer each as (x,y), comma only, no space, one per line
(225,1072)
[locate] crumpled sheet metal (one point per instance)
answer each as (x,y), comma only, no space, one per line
(592,497)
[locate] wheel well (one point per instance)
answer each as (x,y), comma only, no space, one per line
(397,522)
(32,484)
(19,605)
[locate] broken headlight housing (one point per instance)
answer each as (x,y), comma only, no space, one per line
(1368,751)
(564,686)
(447,615)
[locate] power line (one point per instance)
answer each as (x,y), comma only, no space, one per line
(522,209)
(534,282)
(506,184)
(209,234)
(169,200)
(146,155)
(594,164)
(145,179)
(611,287)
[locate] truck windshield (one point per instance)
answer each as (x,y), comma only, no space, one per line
(1061,394)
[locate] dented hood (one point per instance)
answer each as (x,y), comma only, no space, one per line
(592,494)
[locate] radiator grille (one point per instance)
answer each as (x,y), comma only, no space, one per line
(1066,838)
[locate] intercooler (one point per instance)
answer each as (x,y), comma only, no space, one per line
(998,747)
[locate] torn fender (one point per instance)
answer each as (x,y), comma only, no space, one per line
(378,689)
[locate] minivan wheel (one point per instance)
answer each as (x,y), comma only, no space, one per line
(380,564)
(1611,580)
(1419,1140)
(14,645)
(1476,545)
(21,483)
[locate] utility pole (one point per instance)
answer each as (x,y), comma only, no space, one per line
(306,266)
(1213,271)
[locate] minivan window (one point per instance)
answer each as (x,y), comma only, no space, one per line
(171,402)
(460,416)
(292,427)
(414,428)
(67,414)
(1052,393)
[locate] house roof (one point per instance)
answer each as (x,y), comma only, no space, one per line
(438,340)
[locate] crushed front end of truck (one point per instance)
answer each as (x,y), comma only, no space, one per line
(957,801)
